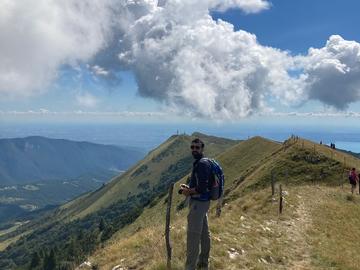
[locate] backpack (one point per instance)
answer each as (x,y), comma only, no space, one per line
(352,178)
(217,185)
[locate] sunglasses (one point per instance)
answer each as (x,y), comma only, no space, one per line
(195,147)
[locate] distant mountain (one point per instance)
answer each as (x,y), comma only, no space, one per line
(34,159)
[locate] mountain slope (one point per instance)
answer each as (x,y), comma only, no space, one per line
(251,234)
(34,159)
(167,163)
(114,205)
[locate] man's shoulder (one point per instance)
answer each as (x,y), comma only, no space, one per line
(204,162)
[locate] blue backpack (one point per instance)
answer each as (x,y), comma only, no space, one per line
(217,186)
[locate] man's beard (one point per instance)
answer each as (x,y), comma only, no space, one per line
(196,155)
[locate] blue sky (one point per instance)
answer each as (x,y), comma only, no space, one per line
(299,25)
(292,26)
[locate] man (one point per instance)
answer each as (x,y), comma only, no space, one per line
(198,230)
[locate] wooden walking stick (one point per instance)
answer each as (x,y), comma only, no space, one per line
(167,227)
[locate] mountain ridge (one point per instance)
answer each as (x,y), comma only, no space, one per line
(36,158)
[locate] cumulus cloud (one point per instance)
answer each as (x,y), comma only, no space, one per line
(178,53)
(202,66)
(37,37)
(87,100)
(333,72)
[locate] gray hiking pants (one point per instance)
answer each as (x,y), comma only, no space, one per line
(197,235)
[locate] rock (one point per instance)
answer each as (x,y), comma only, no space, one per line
(217,239)
(118,267)
(233,253)
(242,218)
(85,264)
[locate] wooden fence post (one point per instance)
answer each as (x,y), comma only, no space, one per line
(272,183)
(218,206)
(281,201)
(167,227)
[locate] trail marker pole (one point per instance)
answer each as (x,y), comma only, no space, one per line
(167,227)
(281,201)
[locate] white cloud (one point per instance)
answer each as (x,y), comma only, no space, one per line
(180,56)
(37,37)
(120,114)
(87,100)
(248,6)
(99,71)
(332,73)
(202,66)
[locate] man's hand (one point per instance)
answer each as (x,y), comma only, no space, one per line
(186,191)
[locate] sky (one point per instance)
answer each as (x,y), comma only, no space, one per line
(170,60)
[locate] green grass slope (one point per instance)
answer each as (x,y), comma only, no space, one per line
(317,230)
(167,163)
(117,203)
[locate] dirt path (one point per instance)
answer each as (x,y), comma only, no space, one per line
(295,230)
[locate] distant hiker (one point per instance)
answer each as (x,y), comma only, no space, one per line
(353,179)
(320,142)
(198,230)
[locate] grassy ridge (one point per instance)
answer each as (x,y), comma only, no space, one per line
(118,203)
(135,239)
(250,234)
(157,165)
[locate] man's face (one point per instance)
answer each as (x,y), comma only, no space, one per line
(196,149)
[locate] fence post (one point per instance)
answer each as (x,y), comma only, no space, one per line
(218,207)
(272,183)
(167,227)
(281,201)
